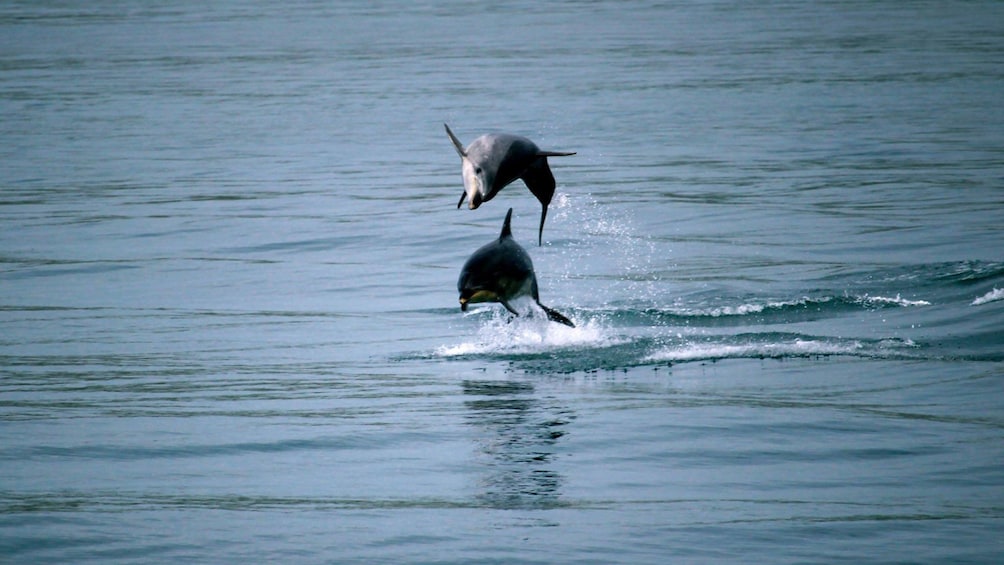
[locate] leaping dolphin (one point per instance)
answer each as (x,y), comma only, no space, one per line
(501,271)
(494,160)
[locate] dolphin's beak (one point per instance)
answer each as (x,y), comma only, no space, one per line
(463,304)
(474,184)
(474,199)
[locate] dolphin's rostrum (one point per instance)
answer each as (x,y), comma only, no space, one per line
(501,271)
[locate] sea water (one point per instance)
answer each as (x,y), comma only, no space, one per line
(229,245)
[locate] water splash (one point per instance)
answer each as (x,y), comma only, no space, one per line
(992,296)
(608,233)
(503,334)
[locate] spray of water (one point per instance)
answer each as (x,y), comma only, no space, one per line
(499,332)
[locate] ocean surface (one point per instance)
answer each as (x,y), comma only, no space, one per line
(229,247)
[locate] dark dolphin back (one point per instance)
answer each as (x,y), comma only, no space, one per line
(497,262)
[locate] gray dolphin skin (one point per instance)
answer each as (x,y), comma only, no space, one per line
(501,271)
(494,160)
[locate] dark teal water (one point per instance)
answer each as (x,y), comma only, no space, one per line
(229,244)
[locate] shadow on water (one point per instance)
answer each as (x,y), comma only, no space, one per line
(516,438)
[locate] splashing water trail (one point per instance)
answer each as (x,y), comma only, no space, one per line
(504,334)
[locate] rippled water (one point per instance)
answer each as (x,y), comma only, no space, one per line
(229,327)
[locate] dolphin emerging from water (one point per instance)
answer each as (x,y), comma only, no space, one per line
(501,271)
(494,160)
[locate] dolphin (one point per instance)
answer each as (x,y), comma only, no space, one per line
(494,160)
(501,271)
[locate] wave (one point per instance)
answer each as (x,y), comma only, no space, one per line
(992,296)
(878,301)
(806,302)
(752,310)
(965,272)
(780,346)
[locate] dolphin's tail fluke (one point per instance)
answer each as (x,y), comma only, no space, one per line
(556,316)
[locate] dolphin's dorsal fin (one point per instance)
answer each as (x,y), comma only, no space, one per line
(456,142)
(506,230)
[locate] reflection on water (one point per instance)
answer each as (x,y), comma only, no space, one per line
(517,435)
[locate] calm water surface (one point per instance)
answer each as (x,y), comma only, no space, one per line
(229,328)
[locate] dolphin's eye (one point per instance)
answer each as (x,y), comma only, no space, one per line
(478,170)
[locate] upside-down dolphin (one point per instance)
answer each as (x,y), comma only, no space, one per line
(494,160)
(501,271)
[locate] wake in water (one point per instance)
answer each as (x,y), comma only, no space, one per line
(627,336)
(613,340)
(638,318)
(780,346)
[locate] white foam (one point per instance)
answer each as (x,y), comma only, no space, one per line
(890,301)
(759,307)
(528,335)
(753,307)
(741,310)
(796,347)
(992,296)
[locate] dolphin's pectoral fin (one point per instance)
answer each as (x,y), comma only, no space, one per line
(456,142)
(540,181)
(540,230)
(556,316)
(555,153)
(509,307)
(463,195)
